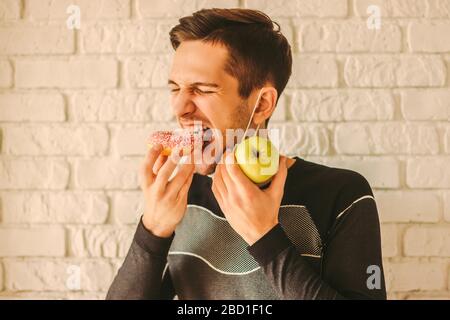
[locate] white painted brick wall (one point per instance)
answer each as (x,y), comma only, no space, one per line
(76,106)
(347,37)
(427,241)
(72,73)
(416,275)
(27,38)
(29,173)
(92,10)
(51,275)
(10,9)
(5,74)
(431,104)
(314,72)
(39,241)
(27,107)
(395,71)
(409,206)
(71,207)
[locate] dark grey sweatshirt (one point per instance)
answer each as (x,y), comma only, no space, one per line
(326,246)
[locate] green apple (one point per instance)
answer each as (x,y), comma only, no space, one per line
(258,159)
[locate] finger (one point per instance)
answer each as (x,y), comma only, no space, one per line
(237,176)
(216,193)
(278,180)
(147,175)
(190,158)
(159,163)
(183,192)
(228,182)
(166,170)
(174,186)
(218,180)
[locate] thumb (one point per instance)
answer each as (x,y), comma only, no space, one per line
(277,185)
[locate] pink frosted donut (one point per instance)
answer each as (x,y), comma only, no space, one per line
(183,139)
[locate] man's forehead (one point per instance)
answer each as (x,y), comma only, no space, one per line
(197,61)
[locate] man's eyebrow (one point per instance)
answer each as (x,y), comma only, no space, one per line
(197,84)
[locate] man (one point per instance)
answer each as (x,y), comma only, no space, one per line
(209,232)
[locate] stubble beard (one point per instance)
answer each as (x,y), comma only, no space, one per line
(240,118)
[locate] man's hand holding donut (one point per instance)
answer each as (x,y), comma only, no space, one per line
(165,201)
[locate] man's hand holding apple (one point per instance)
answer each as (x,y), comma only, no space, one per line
(251,212)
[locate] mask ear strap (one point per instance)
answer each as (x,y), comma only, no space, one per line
(257,129)
(251,116)
(250,120)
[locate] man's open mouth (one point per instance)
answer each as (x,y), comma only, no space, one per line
(203,134)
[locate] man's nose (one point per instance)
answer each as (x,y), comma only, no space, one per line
(183,104)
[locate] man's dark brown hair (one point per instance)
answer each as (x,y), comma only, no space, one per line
(258,52)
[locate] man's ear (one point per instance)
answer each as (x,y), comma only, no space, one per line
(266,105)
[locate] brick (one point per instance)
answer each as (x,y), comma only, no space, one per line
(70,140)
(106,173)
(127,207)
(389,240)
(179,8)
(9,9)
(381,172)
(1,276)
(438,9)
(42,241)
(26,173)
(55,275)
(447,206)
(125,37)
(429,37)
(409,206)
(405,9)
(430,104)
(394,296)
(415,275)
(147,72)
(348,37)
(392,8)
(386,138)
(73,73)
(428,172)
(340,105)
(35,107)
(300,8)
(54,207)
(446,138)
(314,72)
(92,10)
(132,139)
(5,74)
(393,71)
(297,139)
(115,106)
(109,242)
(430,241)
(20,38)
(428,296)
